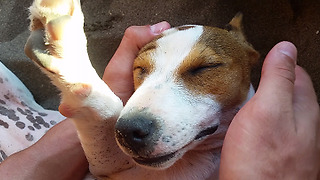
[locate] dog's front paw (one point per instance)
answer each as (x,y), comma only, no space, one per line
(57,42)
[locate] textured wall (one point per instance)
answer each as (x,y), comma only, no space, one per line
(266,22)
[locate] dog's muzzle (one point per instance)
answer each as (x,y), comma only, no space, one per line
(139,132)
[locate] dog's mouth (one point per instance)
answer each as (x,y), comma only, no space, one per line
(206,132)
(158,161)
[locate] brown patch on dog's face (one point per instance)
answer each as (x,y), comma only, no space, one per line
(219,65)
(143,65)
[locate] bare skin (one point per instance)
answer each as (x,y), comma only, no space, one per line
(276,134)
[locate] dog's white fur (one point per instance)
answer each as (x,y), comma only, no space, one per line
(182,113)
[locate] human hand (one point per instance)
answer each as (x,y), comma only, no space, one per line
(276,134)
(118,73)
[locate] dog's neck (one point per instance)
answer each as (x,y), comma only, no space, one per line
(227,115)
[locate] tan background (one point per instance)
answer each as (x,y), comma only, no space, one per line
(266,22)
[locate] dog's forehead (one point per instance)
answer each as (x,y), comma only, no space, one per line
(176,44)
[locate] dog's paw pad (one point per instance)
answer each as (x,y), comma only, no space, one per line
(81,89)
(66,110)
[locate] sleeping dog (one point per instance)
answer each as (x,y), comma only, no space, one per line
(189,83)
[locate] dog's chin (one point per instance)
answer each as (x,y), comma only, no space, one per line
(166,161)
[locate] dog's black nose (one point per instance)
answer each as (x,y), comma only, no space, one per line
(136,133)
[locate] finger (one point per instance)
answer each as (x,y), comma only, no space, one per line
(305,103)
(118,73)
(278,76)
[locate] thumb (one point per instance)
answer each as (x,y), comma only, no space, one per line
(278,74)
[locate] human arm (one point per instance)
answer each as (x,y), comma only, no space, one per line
(276,134)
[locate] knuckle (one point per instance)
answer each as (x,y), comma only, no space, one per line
(286,73)
(281,66)
(286,68)
(130,32)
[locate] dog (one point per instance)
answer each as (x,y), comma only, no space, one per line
(189,84)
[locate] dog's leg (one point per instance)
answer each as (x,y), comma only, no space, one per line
(58,45)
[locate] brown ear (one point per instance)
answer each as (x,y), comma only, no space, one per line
(235,27)
(253,55)
(236,22)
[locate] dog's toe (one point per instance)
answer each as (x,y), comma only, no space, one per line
(43,11)
(36,50)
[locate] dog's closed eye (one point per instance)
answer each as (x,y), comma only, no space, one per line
(140,72)
(202,68)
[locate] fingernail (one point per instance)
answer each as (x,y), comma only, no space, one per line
(158,28)
(289,50)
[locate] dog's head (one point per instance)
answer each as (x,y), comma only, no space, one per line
(185,80)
